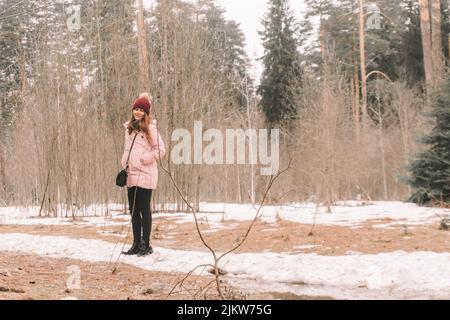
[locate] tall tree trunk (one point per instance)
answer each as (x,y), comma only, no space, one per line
(426,41)
(144,80)
(362,54)
(381,145)
(2,171)
(100,62)
(252,166)
(448,46)
(357,110)
(436,41)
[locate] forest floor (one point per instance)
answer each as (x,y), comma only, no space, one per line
(27,274)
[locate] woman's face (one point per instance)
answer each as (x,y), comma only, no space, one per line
(138,113)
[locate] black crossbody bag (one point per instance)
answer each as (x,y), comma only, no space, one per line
(121,179)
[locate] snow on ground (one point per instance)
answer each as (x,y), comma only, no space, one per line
(110,233)
(94,216)
(393,275)
(306,246)
(349,214)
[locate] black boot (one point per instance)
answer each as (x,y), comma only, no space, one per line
(135,248)
(145,249)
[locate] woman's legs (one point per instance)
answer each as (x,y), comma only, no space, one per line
(141,219)
(133,202)
(146,214)
(135,220)
(144,206)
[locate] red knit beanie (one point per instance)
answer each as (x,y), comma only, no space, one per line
(143,102)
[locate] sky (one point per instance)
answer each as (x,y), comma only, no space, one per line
(248,13)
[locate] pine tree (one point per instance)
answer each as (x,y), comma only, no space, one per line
(316,11)
(225,42)
(15,51)
(236,64)
(430,170)
(281,81)
(411,52)
(395,49)
(106,37)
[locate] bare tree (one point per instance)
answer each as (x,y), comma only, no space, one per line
(362,64)
(142,45)
(216,256)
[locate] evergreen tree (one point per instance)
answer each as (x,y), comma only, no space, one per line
(107,34)
(281,81)
(395,49)
(410,63)
(202,30)
(15,51)
(430,170)
(316,12)
(225,41)
(236,64)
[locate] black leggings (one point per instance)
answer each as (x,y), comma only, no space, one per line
(141,216)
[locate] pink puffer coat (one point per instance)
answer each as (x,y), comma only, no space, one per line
(143,165)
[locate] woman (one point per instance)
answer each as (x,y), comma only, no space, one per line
(147,148)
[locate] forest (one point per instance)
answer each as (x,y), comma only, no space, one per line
(351,110)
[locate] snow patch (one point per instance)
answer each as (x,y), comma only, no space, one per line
(393,275)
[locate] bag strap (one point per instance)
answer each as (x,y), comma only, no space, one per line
(130,151)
